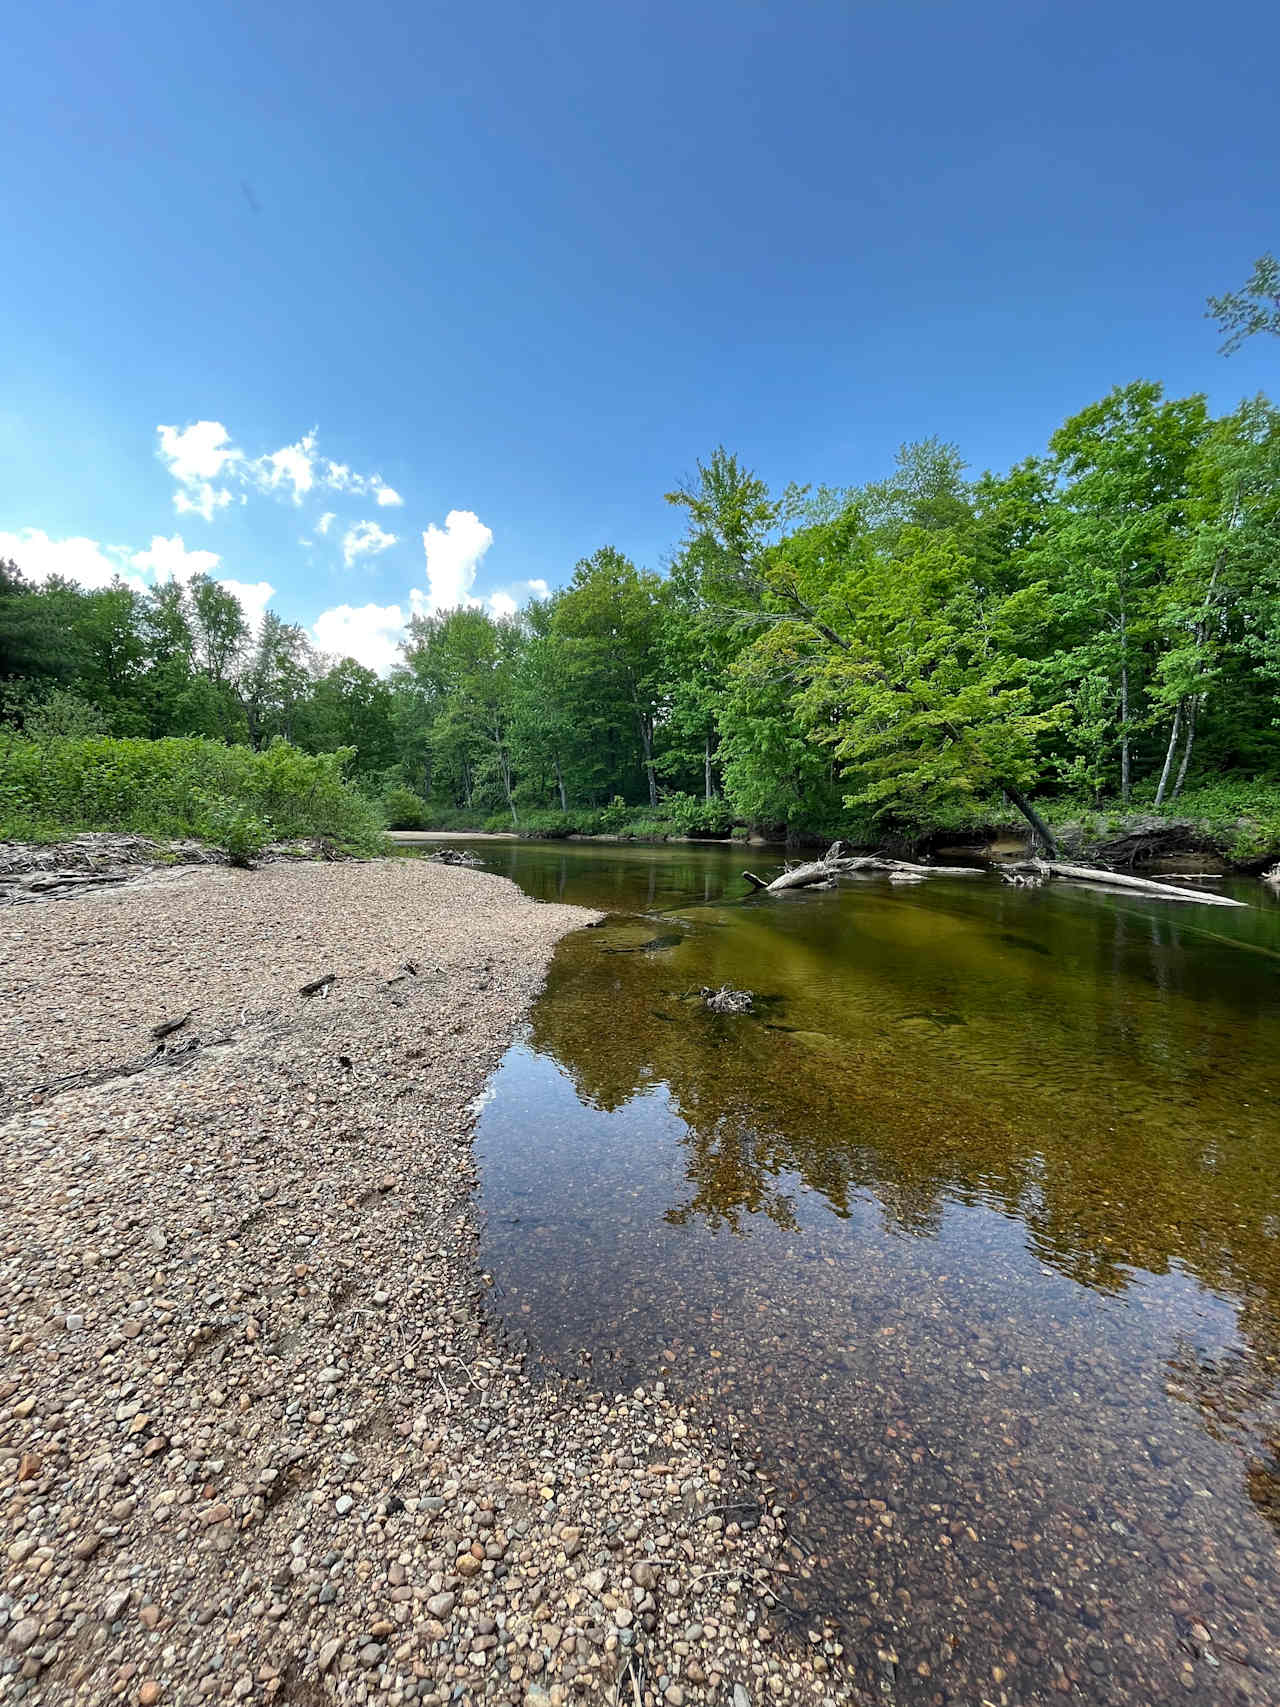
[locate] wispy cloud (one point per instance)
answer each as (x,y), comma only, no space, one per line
(365,539)
(211,470)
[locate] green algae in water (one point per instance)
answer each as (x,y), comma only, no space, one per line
(1017,1277)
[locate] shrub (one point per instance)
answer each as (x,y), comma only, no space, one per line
(185,786)
(694,817)
(402,809)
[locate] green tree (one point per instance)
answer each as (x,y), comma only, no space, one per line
(349,706)
(275,680)
(611,609)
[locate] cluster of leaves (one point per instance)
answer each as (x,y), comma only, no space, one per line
(234,797)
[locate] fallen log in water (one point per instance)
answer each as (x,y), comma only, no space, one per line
(1122,880)
(799,877)
(825,871)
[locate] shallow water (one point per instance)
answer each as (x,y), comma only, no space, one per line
(971,1234)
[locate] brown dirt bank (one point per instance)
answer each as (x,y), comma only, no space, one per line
(258,1440)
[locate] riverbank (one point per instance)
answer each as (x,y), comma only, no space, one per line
(259,1437)
(1227,826)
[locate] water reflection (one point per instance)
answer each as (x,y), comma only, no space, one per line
(978,1220)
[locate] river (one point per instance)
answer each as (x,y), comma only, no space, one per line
(969,1236)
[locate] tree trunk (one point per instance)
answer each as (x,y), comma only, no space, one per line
(1125,756)
(706,768)
(564,799)
(646,741)
(1174,731)
(1043,834)
(1192,712)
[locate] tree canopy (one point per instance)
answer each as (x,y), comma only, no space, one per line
(1101,620)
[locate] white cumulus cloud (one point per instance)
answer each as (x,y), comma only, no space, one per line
(169,559)
(80,560)
(502,606)
(371,634)
(365,539)
(254,597)
(197,456)
(326,522)
(93,566)
(293,466)
(454,553)
(388,497)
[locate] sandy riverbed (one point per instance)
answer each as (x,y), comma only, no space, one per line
(258,1437)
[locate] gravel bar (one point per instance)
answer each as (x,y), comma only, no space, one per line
(260,1438)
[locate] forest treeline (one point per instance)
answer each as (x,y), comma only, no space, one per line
(1101,622)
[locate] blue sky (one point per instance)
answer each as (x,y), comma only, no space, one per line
(518,267)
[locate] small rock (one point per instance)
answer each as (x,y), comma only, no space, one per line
(441,1605)
(23,1633)
(343,1504)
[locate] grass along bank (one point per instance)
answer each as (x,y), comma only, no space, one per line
(230,796)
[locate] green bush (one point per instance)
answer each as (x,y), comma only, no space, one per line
(185,786)
(402,809)
(694,817)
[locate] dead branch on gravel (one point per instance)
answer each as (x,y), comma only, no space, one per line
(318,986)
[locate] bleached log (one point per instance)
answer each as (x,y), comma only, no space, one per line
(1121,880)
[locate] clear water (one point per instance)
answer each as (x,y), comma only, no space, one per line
(971,1235)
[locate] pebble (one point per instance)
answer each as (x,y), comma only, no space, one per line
(295,1491)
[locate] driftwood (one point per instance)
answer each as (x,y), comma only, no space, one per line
(454,856)
(1122,880)
(318,986)
(824,872)
(836,864)
(727,1000)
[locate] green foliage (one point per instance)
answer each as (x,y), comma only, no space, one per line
(1242,816)
(188,786)
(1254,308)
(694,817)
(404,810)
(241,834)
(929,648)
